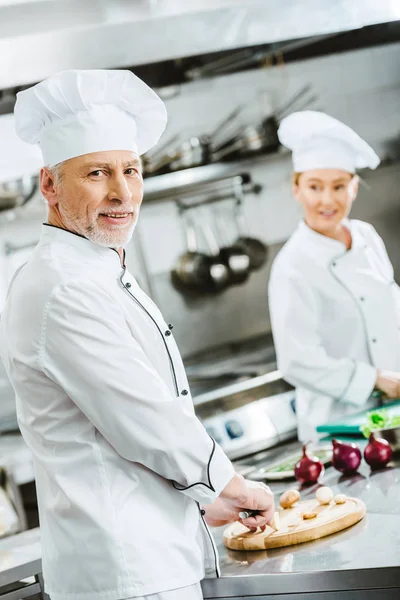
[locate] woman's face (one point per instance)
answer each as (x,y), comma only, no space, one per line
(326,196)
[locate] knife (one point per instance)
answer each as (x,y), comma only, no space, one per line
(245,514)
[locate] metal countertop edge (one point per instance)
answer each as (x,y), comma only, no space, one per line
(23,571)
(295,583)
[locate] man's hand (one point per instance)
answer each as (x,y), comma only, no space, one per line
(241,494)
(388,382)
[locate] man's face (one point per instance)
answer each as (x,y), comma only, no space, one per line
(98,196)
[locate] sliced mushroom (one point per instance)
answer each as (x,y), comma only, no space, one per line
(310,515)
(289,498)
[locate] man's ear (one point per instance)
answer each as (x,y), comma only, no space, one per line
(48,186)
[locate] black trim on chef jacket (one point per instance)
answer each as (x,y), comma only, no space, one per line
(209,485)
(171,362)
(83,237)
(203,512)
(173,372)
(67,230)
(178,488)
(184,392)
(216,566)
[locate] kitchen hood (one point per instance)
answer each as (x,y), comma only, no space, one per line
(41,37)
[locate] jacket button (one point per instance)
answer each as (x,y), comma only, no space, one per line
(202,512)
(128,285)
(362,299)
(171,326)
(333,264)
(184,392)
(374,340)
(167,332)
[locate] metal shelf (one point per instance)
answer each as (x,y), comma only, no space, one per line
(170,185)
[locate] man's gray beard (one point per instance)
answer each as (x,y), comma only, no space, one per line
(104,238)
(98,236)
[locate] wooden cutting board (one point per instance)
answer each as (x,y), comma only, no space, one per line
(294,529)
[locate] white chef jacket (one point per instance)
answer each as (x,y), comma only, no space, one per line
(335,318)
(103,402)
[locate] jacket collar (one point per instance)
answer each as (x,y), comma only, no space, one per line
(87,250)
(323,248)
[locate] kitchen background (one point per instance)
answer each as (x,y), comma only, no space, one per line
(360,87)
(347,56)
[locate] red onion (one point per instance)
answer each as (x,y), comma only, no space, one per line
(346,457)
(378,452)
(308,468)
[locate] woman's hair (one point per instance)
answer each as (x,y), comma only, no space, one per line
(296,177)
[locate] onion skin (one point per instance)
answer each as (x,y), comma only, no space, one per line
(377,453)
(308,468)
(346,457)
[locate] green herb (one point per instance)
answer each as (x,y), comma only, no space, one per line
(379,419)
(289,465)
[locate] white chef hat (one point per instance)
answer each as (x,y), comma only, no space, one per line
(319,141)
(17,158)
(78,112)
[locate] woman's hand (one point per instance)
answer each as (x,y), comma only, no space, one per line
(388,382)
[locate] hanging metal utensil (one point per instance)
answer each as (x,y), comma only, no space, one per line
(270,128)
(192,152)
(196,151)
(305,104)
(223,126)
(256,250)
(288,105)
(161,156)
(219,271)
(233,255)
(192,271)
(17,193)
(253,139)
(161,149)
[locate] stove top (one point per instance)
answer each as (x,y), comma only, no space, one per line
(222,366)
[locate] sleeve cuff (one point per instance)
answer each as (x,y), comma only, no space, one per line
(361,385)
(221,471)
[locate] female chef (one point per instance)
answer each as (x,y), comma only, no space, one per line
(333,301)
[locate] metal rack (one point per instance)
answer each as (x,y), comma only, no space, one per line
(228,188)
(207,178)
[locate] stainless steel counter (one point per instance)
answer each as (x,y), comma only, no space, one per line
(362,561)
(21,566)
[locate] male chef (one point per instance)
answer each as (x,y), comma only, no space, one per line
(126,475)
